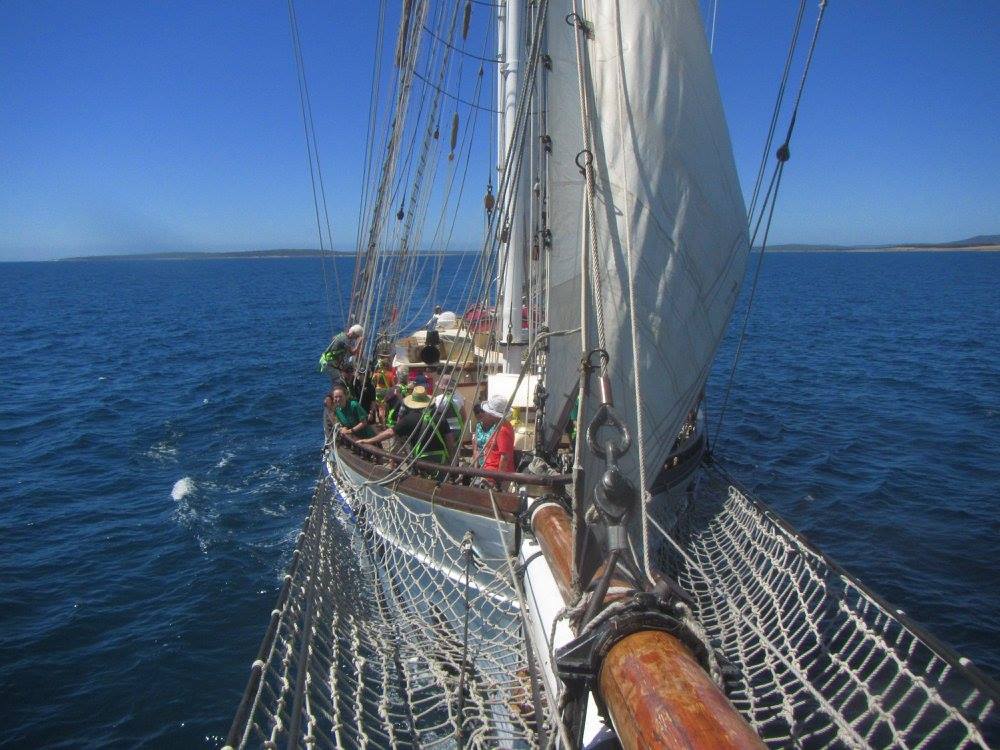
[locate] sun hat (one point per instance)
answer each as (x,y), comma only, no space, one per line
(355,330)
(495,406)
(418,399)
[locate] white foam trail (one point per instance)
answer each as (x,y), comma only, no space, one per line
(182,488)
(161,451)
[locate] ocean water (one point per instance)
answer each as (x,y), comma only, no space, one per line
(160,437)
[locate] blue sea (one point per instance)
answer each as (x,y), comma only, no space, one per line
(160,438)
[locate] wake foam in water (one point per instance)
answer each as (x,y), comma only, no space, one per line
(182,488)
(162,450)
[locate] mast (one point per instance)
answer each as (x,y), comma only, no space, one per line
(510,43)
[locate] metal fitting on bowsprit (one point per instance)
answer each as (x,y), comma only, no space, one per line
(614,497)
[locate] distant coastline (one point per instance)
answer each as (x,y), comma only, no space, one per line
(980,243)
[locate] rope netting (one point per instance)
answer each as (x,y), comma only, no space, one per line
(815,659)
(395,633)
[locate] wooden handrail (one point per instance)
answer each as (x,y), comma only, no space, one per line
(545,480)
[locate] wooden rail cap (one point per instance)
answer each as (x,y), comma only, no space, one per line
(542,480)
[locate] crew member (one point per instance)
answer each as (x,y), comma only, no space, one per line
(432,324)
(352,417)
(450,403)
(336,360)
(498,451)
(428,435)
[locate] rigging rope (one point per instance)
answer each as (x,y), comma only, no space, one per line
(644,494)
(782,156)
(315,167)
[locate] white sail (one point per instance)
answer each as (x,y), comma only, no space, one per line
(670,217)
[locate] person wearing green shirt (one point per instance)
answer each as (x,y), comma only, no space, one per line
(352,418)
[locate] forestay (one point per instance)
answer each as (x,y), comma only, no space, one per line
(669,223)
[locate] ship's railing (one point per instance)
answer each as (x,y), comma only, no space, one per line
(545,480)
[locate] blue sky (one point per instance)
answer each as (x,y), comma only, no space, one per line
(139,126)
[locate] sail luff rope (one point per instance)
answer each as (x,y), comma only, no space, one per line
(645,498)
(715,13)
(586,125)
(590,274)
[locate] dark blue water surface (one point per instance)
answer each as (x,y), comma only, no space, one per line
(160,437)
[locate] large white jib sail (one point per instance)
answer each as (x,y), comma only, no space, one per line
(631,89)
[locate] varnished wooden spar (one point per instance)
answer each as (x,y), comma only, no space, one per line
(655,691)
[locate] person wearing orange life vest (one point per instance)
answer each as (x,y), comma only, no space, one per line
(383,379)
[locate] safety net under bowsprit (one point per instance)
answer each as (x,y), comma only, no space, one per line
(370,645)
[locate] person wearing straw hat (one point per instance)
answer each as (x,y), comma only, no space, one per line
(422,428)
(498,448)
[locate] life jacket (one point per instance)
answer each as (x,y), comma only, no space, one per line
(380,379)
(455,414)
(439,455)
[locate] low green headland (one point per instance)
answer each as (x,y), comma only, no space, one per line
(979,243)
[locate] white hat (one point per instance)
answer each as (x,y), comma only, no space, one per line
(355,330)
(495,406)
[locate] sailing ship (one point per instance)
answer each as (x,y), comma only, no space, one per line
(617,587)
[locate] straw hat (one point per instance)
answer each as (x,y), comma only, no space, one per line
(418,399)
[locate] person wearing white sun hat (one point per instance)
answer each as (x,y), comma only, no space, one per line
(498,449)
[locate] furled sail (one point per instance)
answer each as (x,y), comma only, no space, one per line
(669,222)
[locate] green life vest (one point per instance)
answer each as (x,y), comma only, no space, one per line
(440,455)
